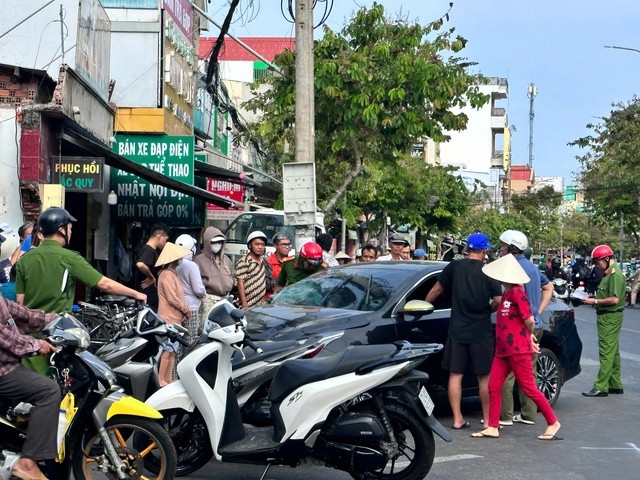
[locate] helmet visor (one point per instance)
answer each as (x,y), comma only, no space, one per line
(314,262)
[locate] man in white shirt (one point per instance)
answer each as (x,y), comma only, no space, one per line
(396,243)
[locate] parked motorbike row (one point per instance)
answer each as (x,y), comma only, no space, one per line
(362,409)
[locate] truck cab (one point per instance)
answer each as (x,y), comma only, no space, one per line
(268,221)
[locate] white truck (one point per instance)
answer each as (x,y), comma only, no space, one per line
(268,221)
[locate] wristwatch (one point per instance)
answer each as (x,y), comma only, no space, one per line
(595,302)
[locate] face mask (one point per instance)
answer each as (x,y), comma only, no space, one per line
(180,262)
(216,247)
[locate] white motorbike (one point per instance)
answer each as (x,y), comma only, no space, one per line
(364,411)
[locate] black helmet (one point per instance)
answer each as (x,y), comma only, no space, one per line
(556,262)
(52,219)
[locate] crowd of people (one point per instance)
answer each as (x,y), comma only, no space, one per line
(182,285)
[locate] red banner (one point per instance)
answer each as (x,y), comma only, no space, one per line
(225,189)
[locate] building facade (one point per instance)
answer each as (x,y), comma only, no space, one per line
(482,152)
(108,108)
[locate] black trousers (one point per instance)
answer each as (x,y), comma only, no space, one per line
(24,385)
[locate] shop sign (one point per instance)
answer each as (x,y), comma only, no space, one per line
(78,174)
(226,189)
(182,13)
(140,200)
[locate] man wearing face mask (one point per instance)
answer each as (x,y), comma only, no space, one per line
(216,270)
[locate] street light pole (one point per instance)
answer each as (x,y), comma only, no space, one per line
(622,214)
(532,91)
(621,237)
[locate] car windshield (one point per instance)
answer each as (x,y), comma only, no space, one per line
(344,289)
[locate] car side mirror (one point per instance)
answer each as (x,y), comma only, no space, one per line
(416,308)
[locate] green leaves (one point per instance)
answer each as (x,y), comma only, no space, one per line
(381,85)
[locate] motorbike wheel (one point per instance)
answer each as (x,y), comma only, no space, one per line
(549,373)
(416,448)
(190,436)
(135,439)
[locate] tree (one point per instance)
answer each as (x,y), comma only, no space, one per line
(380,86)
(428,198)
(610,167)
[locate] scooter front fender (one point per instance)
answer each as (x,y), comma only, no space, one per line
(118,403)
(132,406)
(173,396)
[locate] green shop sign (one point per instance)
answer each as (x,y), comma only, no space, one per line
(140,200)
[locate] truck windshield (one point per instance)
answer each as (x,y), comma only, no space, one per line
(269,224)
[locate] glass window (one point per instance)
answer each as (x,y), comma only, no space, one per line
(342,290)
(246,223)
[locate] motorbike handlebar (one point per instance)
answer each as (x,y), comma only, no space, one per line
(177,335)
(250,344)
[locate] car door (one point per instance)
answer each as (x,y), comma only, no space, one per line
(430,328)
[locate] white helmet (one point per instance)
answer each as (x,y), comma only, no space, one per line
(187,241)
(515,238)
(257,234)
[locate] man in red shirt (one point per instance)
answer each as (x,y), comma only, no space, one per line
(282,243)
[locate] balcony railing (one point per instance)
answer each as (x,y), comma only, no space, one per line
(498,112)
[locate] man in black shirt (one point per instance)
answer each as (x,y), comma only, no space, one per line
(470,336)
(145,273)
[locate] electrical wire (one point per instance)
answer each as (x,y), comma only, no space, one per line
(290,16)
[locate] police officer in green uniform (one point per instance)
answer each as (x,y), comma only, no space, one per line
(46,276)
(609,303)
(308,262)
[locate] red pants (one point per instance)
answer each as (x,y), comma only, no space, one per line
(523,370)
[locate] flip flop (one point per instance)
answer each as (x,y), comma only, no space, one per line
(461,427)
(483,435)
(550,438)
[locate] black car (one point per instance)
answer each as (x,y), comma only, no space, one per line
(366,300)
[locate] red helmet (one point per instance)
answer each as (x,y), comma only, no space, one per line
(601,251)
(312,252)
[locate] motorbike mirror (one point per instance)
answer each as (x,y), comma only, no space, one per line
(417,307)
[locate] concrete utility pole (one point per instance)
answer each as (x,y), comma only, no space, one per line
(305,144)
(532,91)
(299,177)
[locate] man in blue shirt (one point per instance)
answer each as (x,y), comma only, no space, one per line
(539,291)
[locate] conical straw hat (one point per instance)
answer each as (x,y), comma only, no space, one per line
(507,270)
(340,255)
(170,253)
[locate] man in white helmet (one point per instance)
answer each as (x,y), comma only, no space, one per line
(539,292)
(253,272)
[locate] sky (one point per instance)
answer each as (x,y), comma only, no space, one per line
(557,45)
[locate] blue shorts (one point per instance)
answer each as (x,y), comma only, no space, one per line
(170,346)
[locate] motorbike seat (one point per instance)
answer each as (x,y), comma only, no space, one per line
(294,373)
(115,299)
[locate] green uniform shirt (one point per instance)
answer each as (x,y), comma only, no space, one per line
(293,272)
(47,277)
(612,285)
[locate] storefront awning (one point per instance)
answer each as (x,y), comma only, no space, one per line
(117,161)
(207,170)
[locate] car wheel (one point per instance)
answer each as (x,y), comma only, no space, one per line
(549,374)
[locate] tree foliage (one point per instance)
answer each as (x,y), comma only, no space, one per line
(428,198)
(380,85)
(610,166)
